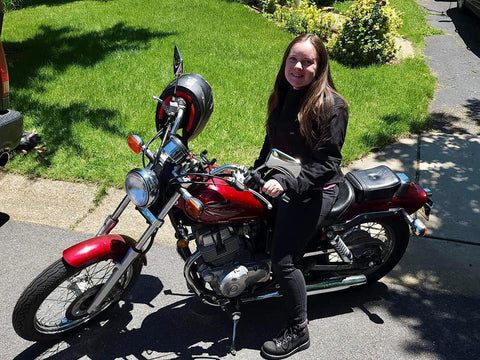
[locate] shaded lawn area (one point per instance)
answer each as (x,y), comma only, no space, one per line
(83,74)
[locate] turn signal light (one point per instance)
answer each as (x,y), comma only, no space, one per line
(182,243)
(3,73)
(194,207)
(135,143)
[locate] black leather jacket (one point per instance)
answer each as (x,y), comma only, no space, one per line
(320,165)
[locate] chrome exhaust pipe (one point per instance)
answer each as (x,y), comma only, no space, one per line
(332,284)
(4,156)
(336,284)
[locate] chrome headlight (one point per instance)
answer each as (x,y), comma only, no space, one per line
(142,187)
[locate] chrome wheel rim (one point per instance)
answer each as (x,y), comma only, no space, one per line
(65,307)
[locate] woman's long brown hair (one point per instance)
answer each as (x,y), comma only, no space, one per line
(315,113)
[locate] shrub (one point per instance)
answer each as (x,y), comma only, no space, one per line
(368,35)
(9,4)
(307,18)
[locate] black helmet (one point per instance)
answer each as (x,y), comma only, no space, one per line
(196,91)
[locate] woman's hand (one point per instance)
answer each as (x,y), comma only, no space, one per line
(272,188)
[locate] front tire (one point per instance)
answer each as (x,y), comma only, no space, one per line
(55,303)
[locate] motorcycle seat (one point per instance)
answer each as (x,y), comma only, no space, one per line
(378,183)
(346,196)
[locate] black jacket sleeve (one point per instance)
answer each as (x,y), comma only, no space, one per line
(322,167)
(263,153)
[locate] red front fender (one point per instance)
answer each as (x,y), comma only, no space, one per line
(98,248)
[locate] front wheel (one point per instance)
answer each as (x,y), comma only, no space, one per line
(56,302)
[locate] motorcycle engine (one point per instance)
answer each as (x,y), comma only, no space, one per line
(228,266)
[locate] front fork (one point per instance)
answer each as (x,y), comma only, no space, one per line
(135,251)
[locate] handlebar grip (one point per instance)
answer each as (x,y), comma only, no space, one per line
(284,196)
(255,180)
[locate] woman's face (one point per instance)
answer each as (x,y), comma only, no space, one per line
(301,65)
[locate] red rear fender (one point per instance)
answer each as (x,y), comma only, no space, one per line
(414,198)
(98,248)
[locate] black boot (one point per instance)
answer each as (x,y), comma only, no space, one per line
(289,341)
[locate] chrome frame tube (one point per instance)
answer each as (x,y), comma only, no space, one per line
(131,256)
(186,272)
(207,296)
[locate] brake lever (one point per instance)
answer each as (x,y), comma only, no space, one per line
(260,197)
(166,108)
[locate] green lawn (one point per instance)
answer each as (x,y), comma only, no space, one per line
(83,74)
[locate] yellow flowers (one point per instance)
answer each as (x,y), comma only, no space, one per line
(307,18)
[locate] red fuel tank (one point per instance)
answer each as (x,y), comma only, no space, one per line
(223,204)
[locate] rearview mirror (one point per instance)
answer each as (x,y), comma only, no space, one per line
(177,62)
(284,163)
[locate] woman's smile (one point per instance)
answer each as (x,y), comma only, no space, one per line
(301,65)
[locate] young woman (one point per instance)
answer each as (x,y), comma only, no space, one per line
(307,119)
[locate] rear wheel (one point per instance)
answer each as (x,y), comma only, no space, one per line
(56,302)
(387,238)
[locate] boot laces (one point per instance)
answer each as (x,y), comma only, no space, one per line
(285,336)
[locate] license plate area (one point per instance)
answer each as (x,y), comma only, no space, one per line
(426,209)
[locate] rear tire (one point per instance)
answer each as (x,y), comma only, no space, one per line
(394,233)
(55,303)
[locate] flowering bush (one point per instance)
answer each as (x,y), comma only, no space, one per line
(306,18)
(368,35)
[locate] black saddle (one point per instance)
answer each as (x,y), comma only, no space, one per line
(378,183)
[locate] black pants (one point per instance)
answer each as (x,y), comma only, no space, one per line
(295,223)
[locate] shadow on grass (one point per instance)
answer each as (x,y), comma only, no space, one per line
(57,49)
(58,123)
(32,3)
(386,137)
(60,48)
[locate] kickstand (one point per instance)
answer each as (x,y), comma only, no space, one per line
(236,318)
(235,314)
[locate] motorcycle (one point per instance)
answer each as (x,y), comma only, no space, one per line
(223,227)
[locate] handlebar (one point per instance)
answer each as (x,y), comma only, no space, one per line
(247,183)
